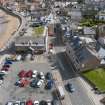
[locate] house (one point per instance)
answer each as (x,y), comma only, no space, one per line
(29,44)
(101,34)
(83,53)
(74,13)
(89,32)
(101,15)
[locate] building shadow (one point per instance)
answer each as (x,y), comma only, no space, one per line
(65,68)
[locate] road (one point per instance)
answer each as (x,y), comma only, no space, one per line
(79,97)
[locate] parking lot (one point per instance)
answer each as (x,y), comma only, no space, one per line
(10,92)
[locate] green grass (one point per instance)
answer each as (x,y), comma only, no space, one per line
(38,31)
(91,22)
(97,77)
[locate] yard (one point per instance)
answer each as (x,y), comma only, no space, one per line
(38,31)
(97,77)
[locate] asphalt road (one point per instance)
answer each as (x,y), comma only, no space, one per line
(79,97)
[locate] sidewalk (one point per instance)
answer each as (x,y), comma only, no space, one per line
(94,97)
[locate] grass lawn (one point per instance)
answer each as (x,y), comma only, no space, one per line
(91,22)
(97,77)
(38,31)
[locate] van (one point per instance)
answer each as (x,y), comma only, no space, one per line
(61,93)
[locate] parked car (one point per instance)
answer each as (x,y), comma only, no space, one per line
(22,74)
(43,102)
(9,103)
(39,83)
(49,84)
(1,78)
(33,83)
(6,66)
(36,102)
(41,75)
(1,82)
(19,57)
(2,73)
(29,74)
(29,102)
(49,102)
(8,62)
(16,103)
(24,82)
(50,46)
(70,87)
(5,69)
(55,102)
(34,75)
(48,75)
(23,103)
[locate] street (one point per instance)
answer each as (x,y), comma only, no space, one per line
(79,97)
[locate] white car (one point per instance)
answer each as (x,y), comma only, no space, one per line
(49,102)
(40,83)
(19,57)
(3,72)
(34,75)
(9,103)
(16,103)
(42,75)
(36,102)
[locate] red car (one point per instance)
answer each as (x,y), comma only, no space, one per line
(5,69)
(7,66)
(29,74)
(22,74)
(50,46)
(24,82)
(29,102)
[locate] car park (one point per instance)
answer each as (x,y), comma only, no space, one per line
(70,87)
(36,102)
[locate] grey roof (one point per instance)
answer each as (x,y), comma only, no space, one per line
(89,31)
(26,39)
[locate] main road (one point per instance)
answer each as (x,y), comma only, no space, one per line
(80,96)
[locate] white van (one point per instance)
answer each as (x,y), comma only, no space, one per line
(61,93)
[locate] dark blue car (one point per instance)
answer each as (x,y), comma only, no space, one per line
(8,62)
